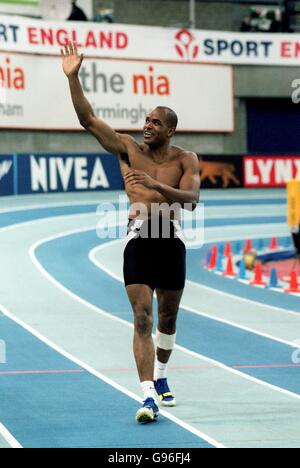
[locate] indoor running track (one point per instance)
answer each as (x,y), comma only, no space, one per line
(69,379)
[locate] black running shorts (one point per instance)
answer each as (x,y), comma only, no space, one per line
(154,257)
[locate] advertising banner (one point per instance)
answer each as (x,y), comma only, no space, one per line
(221,171)
(57,173)
(35,93)
(6,175)
(248,171)
(121,41)
(269,171)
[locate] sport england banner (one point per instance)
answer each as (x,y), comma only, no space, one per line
(149,43)
(34,93)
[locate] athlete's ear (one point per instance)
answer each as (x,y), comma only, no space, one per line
(171,132)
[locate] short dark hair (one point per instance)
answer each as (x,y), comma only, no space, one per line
(172,119)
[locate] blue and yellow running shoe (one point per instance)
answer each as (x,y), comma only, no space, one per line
(148,413)
(162,389)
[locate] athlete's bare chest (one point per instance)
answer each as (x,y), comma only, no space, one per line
(167,171)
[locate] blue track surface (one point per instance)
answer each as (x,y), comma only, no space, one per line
(93,412)
(66,259)
(32,405)
(15,217)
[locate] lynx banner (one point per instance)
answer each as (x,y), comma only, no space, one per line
(270,171)
(35,93)
(248,171)
(121,41)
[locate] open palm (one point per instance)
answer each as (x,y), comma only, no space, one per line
(71,59)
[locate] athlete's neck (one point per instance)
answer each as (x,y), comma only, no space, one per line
(159,153)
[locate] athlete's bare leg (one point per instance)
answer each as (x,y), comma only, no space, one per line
(141,298)
(168,306)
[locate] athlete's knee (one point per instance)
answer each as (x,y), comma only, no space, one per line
(143,323)
(143,320)
(167,323)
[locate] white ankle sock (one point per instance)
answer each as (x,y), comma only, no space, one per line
(148,389)
(160,371)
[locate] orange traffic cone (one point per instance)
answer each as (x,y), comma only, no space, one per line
(258,276)
(294,284)
(248,246)
(229,271)
(227,252)
(213,259)
(274,244)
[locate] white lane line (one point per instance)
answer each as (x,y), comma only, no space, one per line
(10,439)
(242,299)
(45,220)
(206,198)
(105,379)
(95,261)
(239,216)
(50,205)
(216,239)
(254,196)
(209,216)
(128,324)
(119,213)
(94,252)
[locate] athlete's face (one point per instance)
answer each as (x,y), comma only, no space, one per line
(156,130)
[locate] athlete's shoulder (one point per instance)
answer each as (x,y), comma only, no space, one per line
(187,156)
(127,139)
(181,152)
(190,154)
(131,142)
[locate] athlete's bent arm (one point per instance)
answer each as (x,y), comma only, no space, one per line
(189,186)
(108,138)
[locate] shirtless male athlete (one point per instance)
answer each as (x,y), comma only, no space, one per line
(156,174)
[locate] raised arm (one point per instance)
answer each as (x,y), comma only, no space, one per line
(108,138)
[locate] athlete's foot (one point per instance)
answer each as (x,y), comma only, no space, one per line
(148,413)
(166,397)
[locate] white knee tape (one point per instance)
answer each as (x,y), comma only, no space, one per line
(166,342)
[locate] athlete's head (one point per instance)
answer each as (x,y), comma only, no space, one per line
(160,125)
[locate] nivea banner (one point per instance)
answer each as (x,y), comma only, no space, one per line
(6,175)
(54,173)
